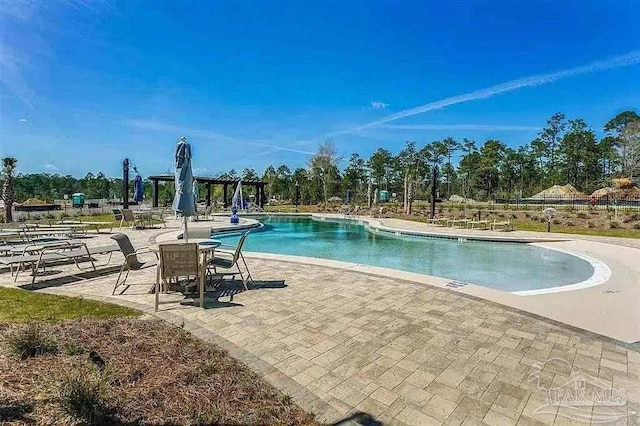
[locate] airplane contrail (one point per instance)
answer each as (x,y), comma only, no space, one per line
(628,59)
(280,148)
(487,127)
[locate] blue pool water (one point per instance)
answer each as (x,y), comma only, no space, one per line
(502,266)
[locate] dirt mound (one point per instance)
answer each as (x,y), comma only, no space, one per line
(559,191)
(458,199)
(34,202)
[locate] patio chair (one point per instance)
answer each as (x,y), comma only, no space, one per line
(207,213)
(118,216)
(131,262)
(199,232)
(225,259)
(177,261)
(135,221)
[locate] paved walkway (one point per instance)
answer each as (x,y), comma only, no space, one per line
(420,226)
(407,353)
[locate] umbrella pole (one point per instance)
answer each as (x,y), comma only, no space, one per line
(186,235)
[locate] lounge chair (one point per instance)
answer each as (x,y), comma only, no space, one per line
(505,225)
(438,221)
(178,261)
(227,257)
(131,262)
(89,224)
(54,253)
(485,224)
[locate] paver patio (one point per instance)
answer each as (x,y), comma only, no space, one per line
(407,353)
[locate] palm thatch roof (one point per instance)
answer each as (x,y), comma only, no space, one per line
(559,192)
(632,192)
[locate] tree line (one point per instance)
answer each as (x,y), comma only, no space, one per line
(565,151)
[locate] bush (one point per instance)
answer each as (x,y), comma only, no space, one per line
(636,226)
(556,221)
(570,223)
(581,215)
(614,224)
(73,349)
(526,214)
(49,216)
(30,341)
(84,396)
(635,216)
(591,224)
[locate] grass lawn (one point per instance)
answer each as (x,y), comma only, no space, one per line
(66,360)
(542,227)
(22,306)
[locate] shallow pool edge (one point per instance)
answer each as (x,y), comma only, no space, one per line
(601,272)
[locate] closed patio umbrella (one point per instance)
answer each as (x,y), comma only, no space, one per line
(183,202)
(238,200)
(138,190)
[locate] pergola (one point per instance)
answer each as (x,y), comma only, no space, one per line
(208,181)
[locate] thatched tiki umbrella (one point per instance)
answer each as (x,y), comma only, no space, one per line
(184,201)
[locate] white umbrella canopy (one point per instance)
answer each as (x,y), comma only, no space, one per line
(184,201)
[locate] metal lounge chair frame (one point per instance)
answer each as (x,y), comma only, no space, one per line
(54,253)
(131,261)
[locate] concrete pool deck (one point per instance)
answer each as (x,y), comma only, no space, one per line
(405,348)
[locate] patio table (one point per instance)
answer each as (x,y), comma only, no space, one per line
(206,249)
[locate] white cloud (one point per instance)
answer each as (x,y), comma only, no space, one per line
(50,167)
(200,170)
(23,120)
(374,105)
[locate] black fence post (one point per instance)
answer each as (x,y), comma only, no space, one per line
(125,183)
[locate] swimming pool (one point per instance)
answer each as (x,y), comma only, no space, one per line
(501,266)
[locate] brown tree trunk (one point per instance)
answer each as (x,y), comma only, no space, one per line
(8,213)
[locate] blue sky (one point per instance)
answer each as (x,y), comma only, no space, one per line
(84,84)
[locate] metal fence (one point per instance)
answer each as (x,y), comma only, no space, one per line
(575,203)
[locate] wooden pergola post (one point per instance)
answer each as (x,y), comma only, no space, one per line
(258,184)
(155,192)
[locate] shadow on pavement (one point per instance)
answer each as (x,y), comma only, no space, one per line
(358,419)
(69,279)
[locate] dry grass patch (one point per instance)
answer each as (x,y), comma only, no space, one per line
(131,371)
